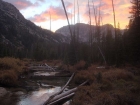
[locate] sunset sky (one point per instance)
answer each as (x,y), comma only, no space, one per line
(38,11)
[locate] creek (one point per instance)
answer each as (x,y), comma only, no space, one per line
(36,91)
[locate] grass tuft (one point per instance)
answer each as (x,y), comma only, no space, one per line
(117,74)
(10,69)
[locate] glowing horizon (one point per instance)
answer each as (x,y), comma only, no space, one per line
(38,11)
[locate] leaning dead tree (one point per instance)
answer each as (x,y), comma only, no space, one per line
(114,17)
(50,20)
(62,95)
(67,17)
(97,17)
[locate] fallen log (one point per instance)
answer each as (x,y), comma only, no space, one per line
(41,67)
(63,96)
(61,99)
(60,91)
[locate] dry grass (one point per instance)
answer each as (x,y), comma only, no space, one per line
(80,65)
(11,63)
(108,87)
(82,76)
(10,69)
(117,74)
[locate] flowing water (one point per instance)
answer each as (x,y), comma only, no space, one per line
(36,96)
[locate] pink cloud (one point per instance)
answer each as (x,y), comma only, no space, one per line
(121,11)
(23,4)
(109,2)
(57,13)
(105,6)
(68,4)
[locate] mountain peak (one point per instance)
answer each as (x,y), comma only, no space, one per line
(84,30)
(17,31)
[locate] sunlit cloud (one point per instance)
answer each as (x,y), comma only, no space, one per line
(106,11)
(24,4)
(42,0)
(20,4)
(38,11)
(57,13)
(109,2)
(68,5)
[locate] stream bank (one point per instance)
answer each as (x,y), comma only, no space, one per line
(34,88)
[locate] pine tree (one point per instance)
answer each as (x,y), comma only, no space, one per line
(135,9)
(134,32)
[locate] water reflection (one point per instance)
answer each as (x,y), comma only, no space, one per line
(37,97)
(43,73)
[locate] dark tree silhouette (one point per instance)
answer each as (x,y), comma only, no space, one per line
(134,33)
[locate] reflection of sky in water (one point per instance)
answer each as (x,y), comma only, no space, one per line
(38,97)
(45,73)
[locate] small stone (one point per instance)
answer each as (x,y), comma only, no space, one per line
(3,91)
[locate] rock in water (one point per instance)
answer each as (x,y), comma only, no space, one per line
(3,91)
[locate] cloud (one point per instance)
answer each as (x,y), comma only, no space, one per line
(109,2)
(105,6)
(57,13)
(23,4)
(41,0)
(121,11)
(68,4)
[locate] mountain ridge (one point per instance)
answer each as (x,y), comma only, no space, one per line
(84,30)
(14,27)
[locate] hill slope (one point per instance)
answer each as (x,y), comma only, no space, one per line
(16,31)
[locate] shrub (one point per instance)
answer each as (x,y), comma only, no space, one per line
(10,69)
(11,63)
(80,65)
(82,96)
(82,76)
(99,77)
(8,78)
(117,74)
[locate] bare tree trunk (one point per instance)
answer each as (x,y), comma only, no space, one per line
(71,16)
(78,21)
(74,20)
(90,33)
(74,11)
(97,31)
(67,17)
(102,54)
(95,14)
(50,20)
(99,17)
(116,38)
(114,18)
